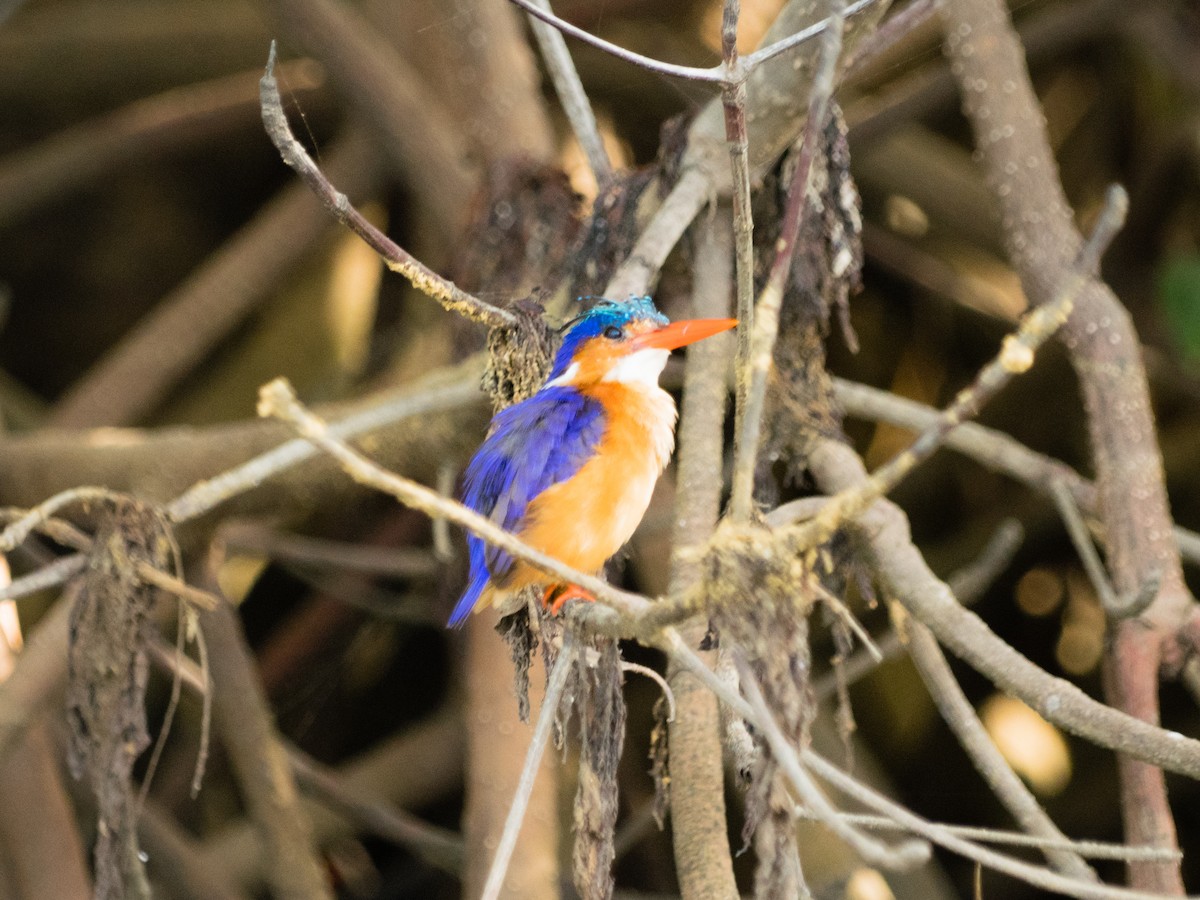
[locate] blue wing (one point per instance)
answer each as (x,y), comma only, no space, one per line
(532,445)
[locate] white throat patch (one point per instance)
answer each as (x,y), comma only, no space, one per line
(642,367)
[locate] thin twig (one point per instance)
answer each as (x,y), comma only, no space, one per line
(571,94)
(1086,849)
(17,532)
(533,759)
(839,609)
(762,328)
(960,715)
(668,694)
(178,587)
(210,493)
(992,449)
(1081,538)
(713,74)
(1015,357)
(394,257)
(47,576)
(901,856)
(940,835)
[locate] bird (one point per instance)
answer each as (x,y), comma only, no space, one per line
(570,470)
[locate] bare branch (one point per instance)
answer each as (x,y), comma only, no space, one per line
(571,94)
(396,258)
(1034,875)
(758,344)
(958,713)
(541,736)
(884,536)
(1086,849)
(1015,357)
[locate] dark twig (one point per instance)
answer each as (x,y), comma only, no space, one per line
(396,258)
(256,754)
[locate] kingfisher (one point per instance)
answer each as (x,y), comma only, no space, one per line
(571,469)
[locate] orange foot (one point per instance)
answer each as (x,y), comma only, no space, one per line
(557,596)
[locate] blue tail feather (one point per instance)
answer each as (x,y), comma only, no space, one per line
(466,603)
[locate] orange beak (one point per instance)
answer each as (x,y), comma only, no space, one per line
(680,334)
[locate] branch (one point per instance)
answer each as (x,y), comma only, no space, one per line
(883,533)
(1041,237)
(758,347)
(541,735)
(571,94)
(396,258)
(699,823)
(1009,789)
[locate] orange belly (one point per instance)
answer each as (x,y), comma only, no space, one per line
(584,520)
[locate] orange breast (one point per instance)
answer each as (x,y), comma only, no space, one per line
(585,520)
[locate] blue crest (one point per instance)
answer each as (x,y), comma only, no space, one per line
(605,314)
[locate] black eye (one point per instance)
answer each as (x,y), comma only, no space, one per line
(613,333)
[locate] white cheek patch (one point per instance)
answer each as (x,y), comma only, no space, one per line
(566,377)
(641,367)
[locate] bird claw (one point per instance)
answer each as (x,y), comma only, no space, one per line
(556,597)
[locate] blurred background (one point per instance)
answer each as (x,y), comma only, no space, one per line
(158,263)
